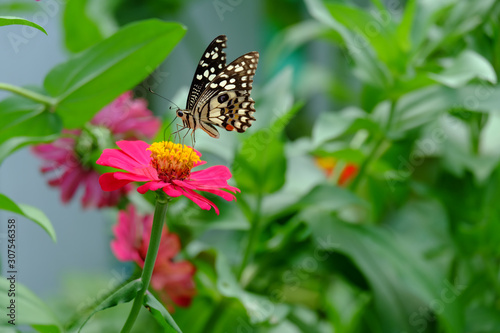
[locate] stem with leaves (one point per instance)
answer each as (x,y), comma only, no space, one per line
(149,263)
(254,231)
(34,96)
(374,150)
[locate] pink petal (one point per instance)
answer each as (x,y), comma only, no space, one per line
(215,190)
(150,186)
(69,182)
(137,150)
(213,172)
(200,200)
(133,157)
(172,191)
(108,181)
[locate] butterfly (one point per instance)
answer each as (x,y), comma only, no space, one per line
(220,94)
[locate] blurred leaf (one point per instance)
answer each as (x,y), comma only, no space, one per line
(25,122)
(323,197)
(11,20)
(375,28)
(80,30)
(30,212)
(259,308)
(160,314)
(402,282)
(123,295)
(418,20)
(201,308)
(465,16)
(276,100)
(425,105)
(331,125)
(92,79)
(345,305)
(465,67)
(404,28)
(260,165)
(424,226)
(368,68)
(294,37)
(17,6)
(29,309)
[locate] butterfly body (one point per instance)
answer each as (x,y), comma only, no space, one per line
(220,94)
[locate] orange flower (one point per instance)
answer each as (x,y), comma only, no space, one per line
(328,164)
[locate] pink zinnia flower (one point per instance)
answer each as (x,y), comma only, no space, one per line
(71,156)
(60,158)
(128,118)
(166,166)
(173,280)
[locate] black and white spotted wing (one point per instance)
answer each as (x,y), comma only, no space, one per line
(224,100)
(212,62)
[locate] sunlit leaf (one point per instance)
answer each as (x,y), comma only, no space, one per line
(92,79)
(29,212)
(467,66)
(11,20)
(123,295)
(28,308)
(25,122)
(161,314)
(81,31)
(259,308)
(401,281)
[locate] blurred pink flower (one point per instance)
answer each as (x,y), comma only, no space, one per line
(128,118)
(59,157)
(72,158)
(173,280)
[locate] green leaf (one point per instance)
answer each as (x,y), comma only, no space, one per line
(345,305)
(30,310)
(80,30)
(25,122)
(376,28)
(123,295)
(160,314)
(368,68)
(295,36)
(331,125)
(467,66)
(29,212)
(258,307)
(401,281)
(92,79)
(260,165)
(11,20)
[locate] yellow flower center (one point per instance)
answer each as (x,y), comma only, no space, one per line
(172,160)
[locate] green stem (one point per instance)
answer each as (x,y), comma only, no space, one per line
(371,156)
(149,262)
(34,96)
(254,231)
(364,165)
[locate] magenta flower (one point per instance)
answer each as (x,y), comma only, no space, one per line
(173,280)
(71,156)
(166,166)
(128,118)
(60,158)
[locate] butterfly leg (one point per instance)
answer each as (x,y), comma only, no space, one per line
(177,132)
(166,128)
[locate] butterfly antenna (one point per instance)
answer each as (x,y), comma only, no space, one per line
(151,91)
(166,128)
